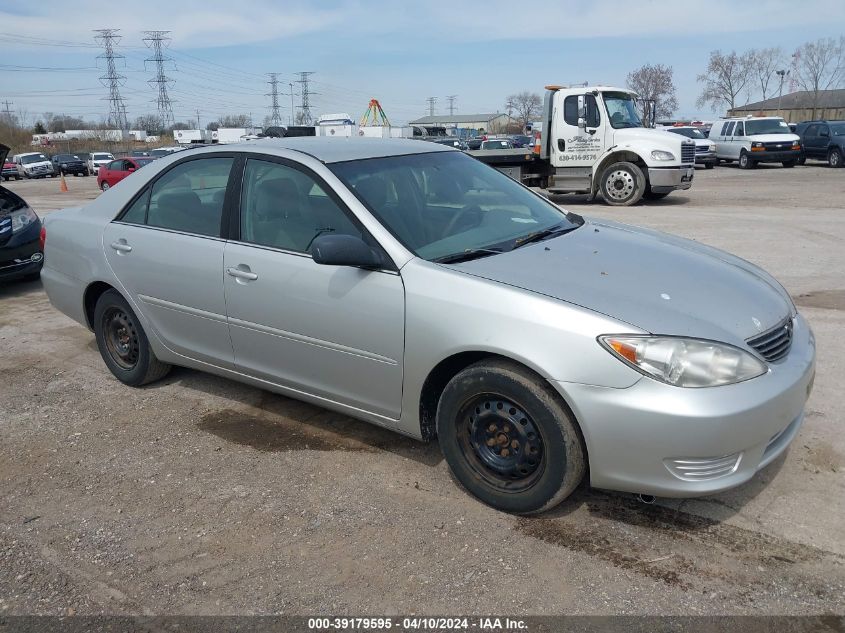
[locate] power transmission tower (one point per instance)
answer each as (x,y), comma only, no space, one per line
(275,115)
(157,41)
(431,103)
(291,94)
(198,119)
(451,100)
(7,111)
(305,94)
(113,80)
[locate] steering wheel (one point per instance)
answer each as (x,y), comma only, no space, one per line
(460,215)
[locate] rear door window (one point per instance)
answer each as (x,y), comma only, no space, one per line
(730,129)
(740,129)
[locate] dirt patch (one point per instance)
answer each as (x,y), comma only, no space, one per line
(825,299)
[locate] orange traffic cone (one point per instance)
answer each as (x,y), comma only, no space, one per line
(63,186)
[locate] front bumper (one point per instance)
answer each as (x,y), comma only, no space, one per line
(666,179)
(21,256)
(705,158)
(775,156)
(656,439)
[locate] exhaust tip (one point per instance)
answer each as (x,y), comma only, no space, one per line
(647,499)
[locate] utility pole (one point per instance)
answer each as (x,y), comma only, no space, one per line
(275,115)
(7,111)
(157,41)
(451,100)
(782,74)
(113,80)
(431,102)
(305,95)
(198,119)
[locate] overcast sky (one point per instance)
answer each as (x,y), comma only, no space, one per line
(399,52)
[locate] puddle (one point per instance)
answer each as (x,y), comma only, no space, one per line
(269,435)
(825,299)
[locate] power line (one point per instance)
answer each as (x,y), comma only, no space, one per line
(305,94)
(451,100)
(275,115)
(112,79)
(157,40)
(431,103)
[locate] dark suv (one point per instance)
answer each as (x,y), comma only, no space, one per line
(824,140)
(69,164)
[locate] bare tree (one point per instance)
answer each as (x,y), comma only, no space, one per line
(655,83)
(763,64)
(525,105)
(727,76)
(820,65)
(151,123)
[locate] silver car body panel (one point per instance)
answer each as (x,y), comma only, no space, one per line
(364,342)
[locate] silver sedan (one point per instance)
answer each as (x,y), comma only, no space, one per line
(411,286)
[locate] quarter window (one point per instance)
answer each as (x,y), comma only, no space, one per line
(190,197)
(285,208)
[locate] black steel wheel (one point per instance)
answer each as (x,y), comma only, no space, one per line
(122,342)
(508,437)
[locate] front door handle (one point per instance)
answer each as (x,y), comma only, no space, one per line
(121,246)
(561,145)
(239,273)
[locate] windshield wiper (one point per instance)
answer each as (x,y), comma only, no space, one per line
(468,254)
(539,236)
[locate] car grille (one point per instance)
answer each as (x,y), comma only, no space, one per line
(703,468)
(774,344)
(688,152)
(41,168)
(777,146)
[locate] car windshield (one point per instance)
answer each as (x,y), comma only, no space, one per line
(689,132)
(621,109)
(33,158)
(103,157)
(443,205)
(838,129)
(766,126)
(66,157)
(497,145)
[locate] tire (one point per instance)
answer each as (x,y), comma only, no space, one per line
(123,343)
(104,186)
(508,438)
(802,159)
(622,184)
(17,177)
(834,158)
(789,164)
(709,165)
(745,161)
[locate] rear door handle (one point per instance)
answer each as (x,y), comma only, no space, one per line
(238,273)
(121,247)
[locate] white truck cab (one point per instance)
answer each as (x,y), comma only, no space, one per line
(596,142)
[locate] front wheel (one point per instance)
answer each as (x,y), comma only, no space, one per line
(802,159)
(834,158)
(104,186)
(745,161)
(789,163)
(709,165)
(123,343)
(508,438)
(622,184)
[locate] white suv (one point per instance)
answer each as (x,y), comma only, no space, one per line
(98,158)
(34,165)
(752,140)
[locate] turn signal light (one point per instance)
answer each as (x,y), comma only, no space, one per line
(625,350)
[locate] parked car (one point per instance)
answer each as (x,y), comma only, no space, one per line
(705,149)
(161,152)
(412,286)
(34,165)
(69,164)
(451,142)
(521,140)
(752,140)
(139,153)
(497,143)
(10,170)
(475,143)
(824,140)
(97,159)
(21,246)
(112,173)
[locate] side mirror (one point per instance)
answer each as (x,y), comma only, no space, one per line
(582,112)
(131,169)
(344,250)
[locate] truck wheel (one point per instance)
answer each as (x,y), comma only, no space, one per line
(834,158)
(622,184)
(508,438)
(123,343)
(745,161)
(709,165)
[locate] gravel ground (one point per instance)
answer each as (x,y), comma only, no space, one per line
(198,495)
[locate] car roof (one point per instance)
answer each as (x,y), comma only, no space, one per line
(336,150)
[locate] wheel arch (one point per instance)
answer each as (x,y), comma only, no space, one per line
(618,156)
(92,294)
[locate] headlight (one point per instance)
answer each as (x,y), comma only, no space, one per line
(712,147)
(756,144)
(685,362)
(22,219)
(659,154)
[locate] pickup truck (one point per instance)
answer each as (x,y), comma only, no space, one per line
(593,141)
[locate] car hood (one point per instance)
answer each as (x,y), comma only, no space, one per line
(656,282)
(774,138)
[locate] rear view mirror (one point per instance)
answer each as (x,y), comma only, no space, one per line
(344,250)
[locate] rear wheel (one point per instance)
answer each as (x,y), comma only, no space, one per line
(834,158)
(622,184)
(508,438)
(123,343)
(709,165)
(789,163)
(745,161)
